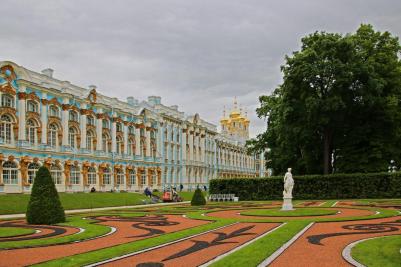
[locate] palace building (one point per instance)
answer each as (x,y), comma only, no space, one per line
(87,139)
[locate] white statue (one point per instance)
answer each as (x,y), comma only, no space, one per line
(288,184)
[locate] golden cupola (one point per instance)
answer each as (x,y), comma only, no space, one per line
(236,124)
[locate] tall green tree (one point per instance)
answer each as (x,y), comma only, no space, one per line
(44,205)
(338,108)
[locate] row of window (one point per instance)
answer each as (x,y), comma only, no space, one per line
(10,175)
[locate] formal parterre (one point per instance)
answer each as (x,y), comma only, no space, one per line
(88,140)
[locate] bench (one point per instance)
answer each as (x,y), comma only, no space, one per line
(223,197)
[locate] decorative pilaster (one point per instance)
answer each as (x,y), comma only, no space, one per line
(99,126)
(43,118)
(64,122)
(148,150)
(21,114)
(82,125)
(113,136)
(125,132)
(137,142)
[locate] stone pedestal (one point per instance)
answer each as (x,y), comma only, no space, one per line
(287,203)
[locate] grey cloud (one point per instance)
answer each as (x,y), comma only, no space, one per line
(197,54)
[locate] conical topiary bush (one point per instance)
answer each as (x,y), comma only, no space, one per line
(198,199)
(44,206)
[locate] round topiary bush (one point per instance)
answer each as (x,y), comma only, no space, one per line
(198,199)
(44,205)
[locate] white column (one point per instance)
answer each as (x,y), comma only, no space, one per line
(137,141)
(125,139)
(147,142)
(184,145)
(64,122)
(22,117)
(202,144)
(43,118)
(113,136)
(99,126)
(191,146)
(83,128)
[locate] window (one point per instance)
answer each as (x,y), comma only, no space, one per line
(72,137)
(89,140)
(91,175)
(32,169)
(105,143)
(55,172)
(105,124)
(5,129)
(132,177)
(154,178)
(106,176)
(54,111)
(32,106)
(131,130)
(73,116)
(119,127)
(7,101)
(120,177)
(10,172)
(75,175)
(153,150)
(143,178)
(90,120)
(131,146)
(120,145)
(143,149)
(31,132)
(52,136)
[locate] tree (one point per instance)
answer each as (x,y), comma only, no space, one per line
(198,199)
(44,205)
(338,108)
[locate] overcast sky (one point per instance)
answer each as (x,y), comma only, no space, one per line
(196,54)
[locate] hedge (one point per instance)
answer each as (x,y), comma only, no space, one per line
(335,186)
(198,199)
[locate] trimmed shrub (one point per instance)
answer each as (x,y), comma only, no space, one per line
(44,205)
(335,186)
(198,199)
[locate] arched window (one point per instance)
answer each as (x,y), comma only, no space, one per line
(131,146)
(31,130)
(75,175)
(106,176)
(132,177)
(105,124)
(54,111)
(131,130)
(154,178)
(120,177)
(120,145)
(105,143)
(52,136)
(55,171)
(7,100)
(143,148)
(32,106)
(73,116)
(91,175)
(119,127)
(90,120)
(10,172)
(153,147)
(90,137)
(5,129)
(72,137)
(32,169)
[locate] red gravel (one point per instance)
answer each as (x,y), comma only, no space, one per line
(124,233)
(198,256)
(304,254)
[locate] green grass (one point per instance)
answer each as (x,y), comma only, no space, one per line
(17,203)
(12,231)
(290,213)
(379,252)
(91,230)
(256,252)
(111,252)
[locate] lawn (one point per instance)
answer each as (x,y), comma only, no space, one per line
(10,231)
(17,203)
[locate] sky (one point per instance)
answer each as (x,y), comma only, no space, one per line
(198,55)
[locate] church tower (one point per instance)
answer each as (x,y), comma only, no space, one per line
(236,124)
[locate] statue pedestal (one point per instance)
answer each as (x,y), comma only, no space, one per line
(287,204)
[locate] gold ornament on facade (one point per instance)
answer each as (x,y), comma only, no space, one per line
(25,160)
